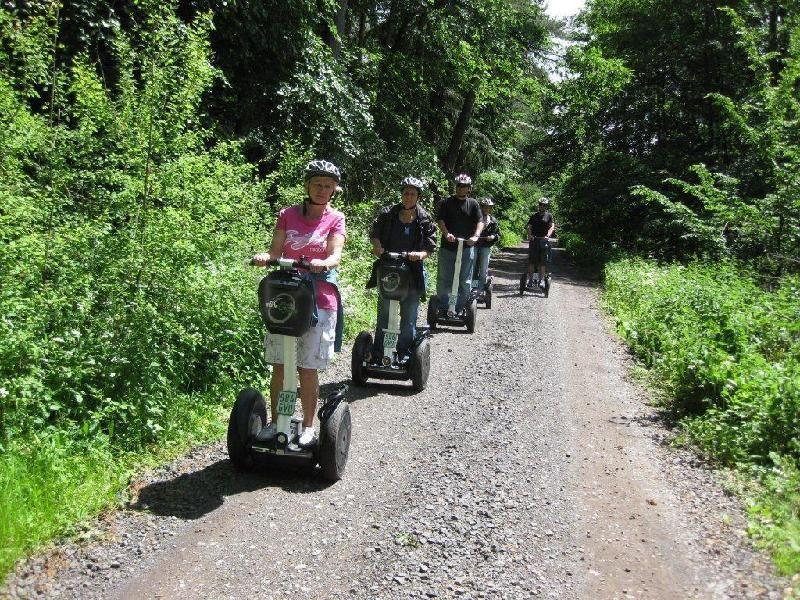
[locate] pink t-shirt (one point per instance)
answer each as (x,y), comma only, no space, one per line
(309,238)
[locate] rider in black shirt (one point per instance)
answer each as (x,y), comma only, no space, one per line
(540,228)
(459,216)
(404,227)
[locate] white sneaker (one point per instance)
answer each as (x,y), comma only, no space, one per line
(308,438)
(267,433)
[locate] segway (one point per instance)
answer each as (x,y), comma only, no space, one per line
(441,315)
(394,282)
(535,287)
(286,302)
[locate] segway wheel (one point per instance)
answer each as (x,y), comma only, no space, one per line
(248,416)
(547,286)
(421,366)
(334,443)
(489,295)
(433,312)
(472,313)
(361,349)
(523,280)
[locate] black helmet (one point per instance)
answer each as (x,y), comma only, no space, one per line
(412,182)
(487,201)
(322,168)
(544,200)
(463,179)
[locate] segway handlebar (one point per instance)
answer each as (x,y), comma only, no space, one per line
(286,263)
(394,255)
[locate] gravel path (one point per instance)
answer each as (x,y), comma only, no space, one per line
(530,467)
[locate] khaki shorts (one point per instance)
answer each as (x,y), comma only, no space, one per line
(314,349)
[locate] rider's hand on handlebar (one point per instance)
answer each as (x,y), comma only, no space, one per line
(472,241)
(450,238)
(260,260)
(378,251)
(317,265)
(415,256)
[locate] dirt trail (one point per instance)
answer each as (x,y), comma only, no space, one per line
(530,467)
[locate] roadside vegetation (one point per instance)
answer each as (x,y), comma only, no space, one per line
(726,354)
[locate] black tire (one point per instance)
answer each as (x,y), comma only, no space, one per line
(249,406)
(523,280)
(421,365)
(547,286)
(433,312)
(334,443)
(472,313)
(489,296)
(361,348)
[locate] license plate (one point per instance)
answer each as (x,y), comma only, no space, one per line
(286,403)
(389,340)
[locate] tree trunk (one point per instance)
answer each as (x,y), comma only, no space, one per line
(460,129)
(362,28)
(335,41)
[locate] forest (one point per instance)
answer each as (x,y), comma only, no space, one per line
(146,148)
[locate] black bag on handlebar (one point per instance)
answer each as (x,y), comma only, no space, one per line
(394,278)
(286,301)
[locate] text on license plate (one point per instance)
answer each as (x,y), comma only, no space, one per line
(286,403)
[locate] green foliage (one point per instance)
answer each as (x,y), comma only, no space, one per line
(726,350)
(691,150)
(120,228)
(515,201)
(775,513)
(53,482)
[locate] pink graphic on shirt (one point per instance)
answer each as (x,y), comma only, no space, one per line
(309,238)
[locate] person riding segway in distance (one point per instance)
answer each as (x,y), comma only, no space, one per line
(405,227)
(315,231)
(540,228)
(488,238)
(459,216)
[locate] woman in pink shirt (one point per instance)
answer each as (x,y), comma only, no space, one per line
(316,231)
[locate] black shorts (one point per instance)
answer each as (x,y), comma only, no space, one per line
(539,251)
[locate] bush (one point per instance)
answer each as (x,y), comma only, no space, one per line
(727,351)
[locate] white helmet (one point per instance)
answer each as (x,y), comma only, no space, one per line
(463,179)
(413,182)
(322,168)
